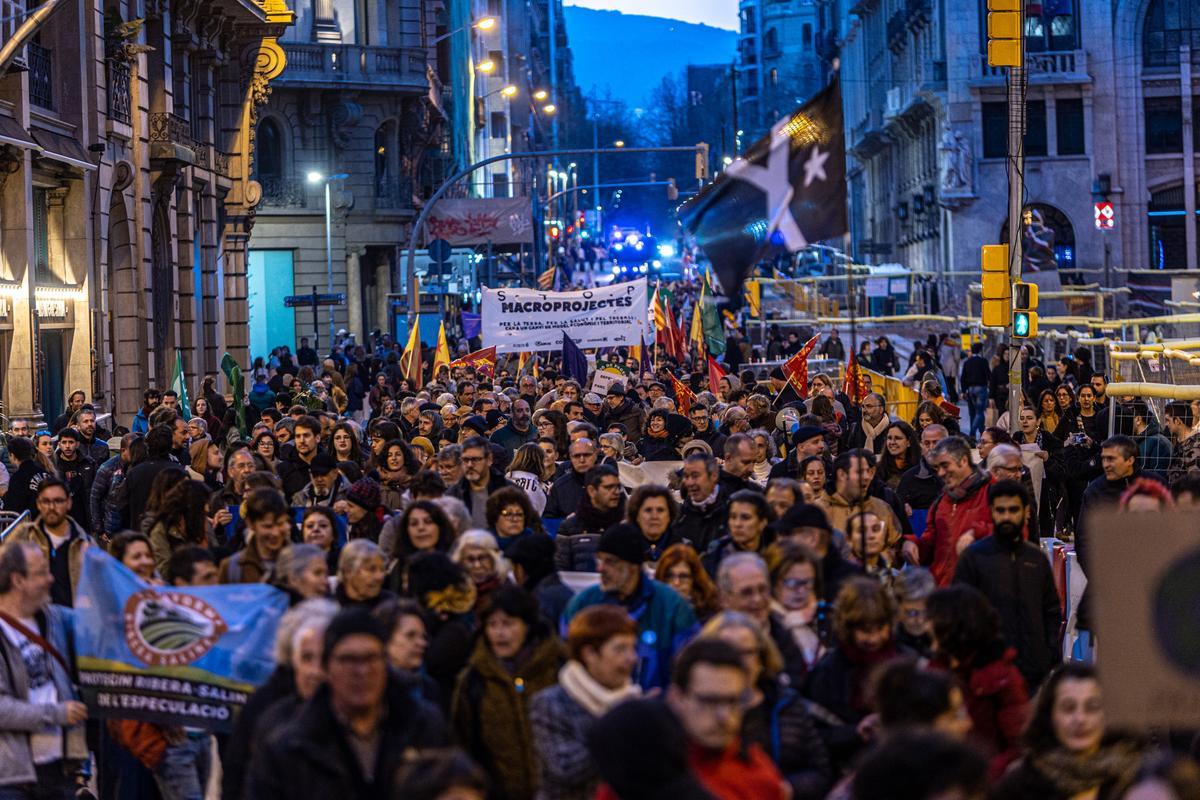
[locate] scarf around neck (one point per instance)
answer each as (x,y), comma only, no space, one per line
(872,432)
(588,693)
(1072,775)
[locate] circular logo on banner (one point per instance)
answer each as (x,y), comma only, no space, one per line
(165,629)
(1176,604)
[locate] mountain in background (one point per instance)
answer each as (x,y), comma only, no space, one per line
(630,54)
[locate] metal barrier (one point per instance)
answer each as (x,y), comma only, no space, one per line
(11,521)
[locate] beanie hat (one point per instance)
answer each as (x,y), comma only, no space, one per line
(777,374)
(349,622)
(806,432)
(801,515)
(364,493)
(322,464)
(477,424)
(617,388)
(528,551)
(623,541)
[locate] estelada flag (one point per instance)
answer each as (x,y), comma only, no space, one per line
(684,397)
(715,373)
(855,384)
(441,355)
(547,279)
(484,361)
(788,191)
(796,367)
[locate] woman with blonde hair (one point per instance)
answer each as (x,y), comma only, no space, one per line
(775,716)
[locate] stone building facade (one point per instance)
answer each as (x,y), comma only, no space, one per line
(360,98)
(126,151)
(1109,101)
(778,64)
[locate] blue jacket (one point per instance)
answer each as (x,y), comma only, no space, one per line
(665,624)
(141,422)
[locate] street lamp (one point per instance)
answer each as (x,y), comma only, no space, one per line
(540,95)
(487,66)
(549,108)
(315,177)
(483,24)
(619,143)
(507,91)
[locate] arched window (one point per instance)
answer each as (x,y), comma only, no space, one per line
(1049,240)
(268,155)
(1166,216)
(1169,24)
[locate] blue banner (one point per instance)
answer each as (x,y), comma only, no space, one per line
(171,655)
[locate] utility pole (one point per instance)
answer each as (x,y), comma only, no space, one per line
(1016,227)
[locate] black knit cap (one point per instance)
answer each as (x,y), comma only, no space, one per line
(349,622)
(624,542)
(801,515)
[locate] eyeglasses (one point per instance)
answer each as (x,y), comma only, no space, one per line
(512,514)
(719,702)
(53,501)
(792,584)
(473,459)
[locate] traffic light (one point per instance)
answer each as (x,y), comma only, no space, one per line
(554,232)
(1004,33)
(701,161)
(672,190)
(1025,303)
(997,288)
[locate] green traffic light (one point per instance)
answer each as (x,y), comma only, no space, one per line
(1020,324)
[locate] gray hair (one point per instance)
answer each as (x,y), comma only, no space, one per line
(197,421)
(614,440)
(665,403)
(294,559)
(451,454)
(1002,452)
(408,404)
(914,583)
(735,560)
(311,615)
(354,554)
(486,541)
(14,560)
(955,447)
(456,510)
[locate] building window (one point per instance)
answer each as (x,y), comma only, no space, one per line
(1169,24)
(268,151)
(500,184)
(774,77)
(1068,114)
(1035,128)
(1051,25)
(1164,125)
(383,159)
(806,36)
(1168,238)
(995,130)
(499,125)
(770,43)
(41,237)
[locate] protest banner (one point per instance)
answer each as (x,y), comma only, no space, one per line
(603,380)
(171,655)
(474,221)
(527,319)
(1144,584)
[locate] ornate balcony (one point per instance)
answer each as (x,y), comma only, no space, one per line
(169,131)
(280,192)
(357,66)
(394,195)
(1055,66)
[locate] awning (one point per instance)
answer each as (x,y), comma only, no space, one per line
(12,133)
(63,148)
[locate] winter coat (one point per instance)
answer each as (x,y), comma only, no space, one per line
(836,570)
(510,438)
(783,728)
(1017,579)
(665,622)
(239,746)
(451,636)
(725,546)
(947,521)
(23,718)
(135,489)
(837,683)
(293,471)
(462,489)
(560,727)
(1100,495)
(103,514)
(244,566)
(919,486)
(22,487)
(307,498)
(79,541)
(310,758)
(998,701)
(838,511)
(490,714)
(566,493)
(1154,449)
(703,526)
(579,536)
(630,413)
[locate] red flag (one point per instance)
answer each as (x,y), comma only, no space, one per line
(855,384)
(715,373)
(796,367)
(672,337)
(484,362)
(684,397)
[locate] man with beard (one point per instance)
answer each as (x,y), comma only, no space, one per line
(624,410)
(701,418)
(89,445)
(78,471)
(1016,577)
(151,399)
(518,431)
(294,468)
(603,506)
(74,403)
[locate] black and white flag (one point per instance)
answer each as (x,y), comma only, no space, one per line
(787,192)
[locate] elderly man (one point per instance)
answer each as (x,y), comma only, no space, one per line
(740,455)
(744,584)
(705,508)
(958,517)
(871,431)
(567,492)
(920,485)
(665,620)
(1004,463)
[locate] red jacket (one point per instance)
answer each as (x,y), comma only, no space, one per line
(947,521)
(729,775)
(998,701)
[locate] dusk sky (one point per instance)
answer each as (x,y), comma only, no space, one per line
(718,13)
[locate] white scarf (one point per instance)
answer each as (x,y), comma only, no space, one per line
(585,690)
(878,429)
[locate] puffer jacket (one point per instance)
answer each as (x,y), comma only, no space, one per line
(997,699)
(490,714)
(783,728)
(21,717)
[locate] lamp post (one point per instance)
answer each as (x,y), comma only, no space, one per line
(314,178)
(483,24)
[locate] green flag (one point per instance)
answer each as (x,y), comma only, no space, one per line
(179,384)
(237,387)
(710,322)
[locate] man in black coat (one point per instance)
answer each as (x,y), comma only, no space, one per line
(705,509)
(362,715)
(703,428)
(135,489)
(919,486)
(869,432)
(295,465)
(567,492)
(1016,578)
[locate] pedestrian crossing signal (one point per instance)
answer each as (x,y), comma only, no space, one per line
(1025,303)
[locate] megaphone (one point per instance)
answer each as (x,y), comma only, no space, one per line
(787,420)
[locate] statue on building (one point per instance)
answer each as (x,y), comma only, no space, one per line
(957,162)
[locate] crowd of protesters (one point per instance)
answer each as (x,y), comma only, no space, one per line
(505,585)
